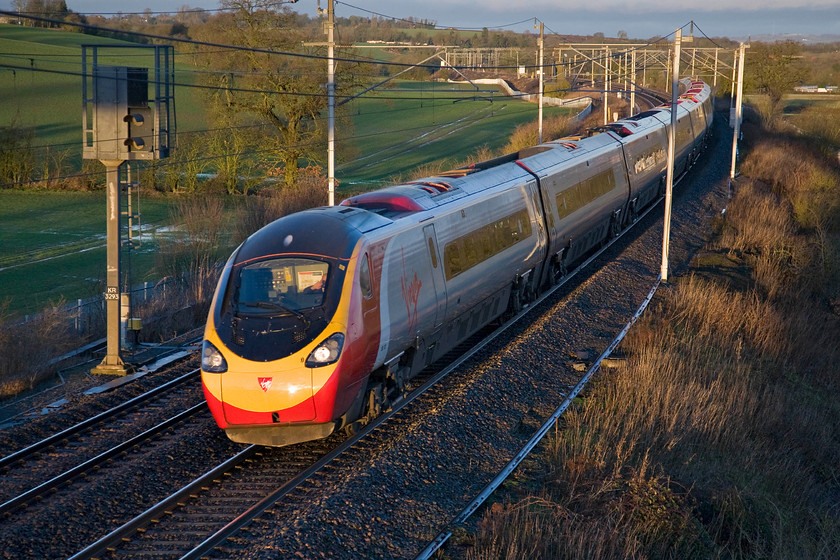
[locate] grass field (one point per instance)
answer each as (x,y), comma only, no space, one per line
(412,124)
(795,103)
(41,85)
(52,245)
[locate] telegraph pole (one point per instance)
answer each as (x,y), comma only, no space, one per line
(672,135)
(714,75)
(540,96)
(633,84)
(732,93)
(331,100)
(606,87)
(742,57)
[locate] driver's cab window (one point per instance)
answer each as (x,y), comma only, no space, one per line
(291,283)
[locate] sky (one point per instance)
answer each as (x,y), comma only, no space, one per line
(642,19)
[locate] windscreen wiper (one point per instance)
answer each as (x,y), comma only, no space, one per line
(275,307)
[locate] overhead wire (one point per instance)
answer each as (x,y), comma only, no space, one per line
(161,164)
(234,47)
(225,48)
(435,25)
(436,98)
(715,43)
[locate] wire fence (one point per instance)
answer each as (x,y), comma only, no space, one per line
(86,316)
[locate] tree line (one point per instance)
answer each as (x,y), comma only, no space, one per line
(264,111)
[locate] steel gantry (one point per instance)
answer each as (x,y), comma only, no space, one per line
(589,63)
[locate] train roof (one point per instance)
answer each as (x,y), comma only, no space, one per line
(433,192)
(330,231)
(428,193)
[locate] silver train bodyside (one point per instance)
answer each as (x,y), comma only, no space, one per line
(416,268)
(557,201)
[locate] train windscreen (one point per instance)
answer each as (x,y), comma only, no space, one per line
(281,284)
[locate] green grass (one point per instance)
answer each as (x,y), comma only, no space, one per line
(416,123)
(43,90)
(52,246)
(796,102)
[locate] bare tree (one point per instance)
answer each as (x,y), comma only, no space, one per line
(771,70)
(283,94)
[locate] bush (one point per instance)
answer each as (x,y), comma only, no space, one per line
(17,162)
(193,252)
(526,135)
(270,204)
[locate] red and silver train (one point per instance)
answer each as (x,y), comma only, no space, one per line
(320,317)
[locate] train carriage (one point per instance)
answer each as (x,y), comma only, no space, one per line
(584,190)
(320,318)
(645,146)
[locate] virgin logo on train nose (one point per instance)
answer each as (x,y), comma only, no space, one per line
(265,383)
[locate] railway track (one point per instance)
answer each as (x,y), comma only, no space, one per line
(149,359)
(40,469)
(195,519)
(390,497)
(203,515)
(278,492)
(85,465)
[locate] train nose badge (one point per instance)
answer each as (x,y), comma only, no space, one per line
(265,383)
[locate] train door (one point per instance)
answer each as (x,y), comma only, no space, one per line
(437,274)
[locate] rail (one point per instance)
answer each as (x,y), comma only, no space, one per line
(90,422)
(462,517)
(23,499)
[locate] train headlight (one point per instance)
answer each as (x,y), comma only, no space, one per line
(327,352)
(212,360)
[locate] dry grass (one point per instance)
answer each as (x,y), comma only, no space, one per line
(180,308)
(526,135)
(26,349)
(202,241)
(810,183)
(721,436)
(714,441)
(800,174)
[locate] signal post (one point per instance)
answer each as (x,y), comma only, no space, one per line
(122,122)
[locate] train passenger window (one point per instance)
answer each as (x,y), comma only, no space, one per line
(568,201)
(469,251)
(453,260)
(364,277)
(483,243)
(583,193)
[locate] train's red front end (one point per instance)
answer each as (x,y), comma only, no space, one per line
(284,358)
